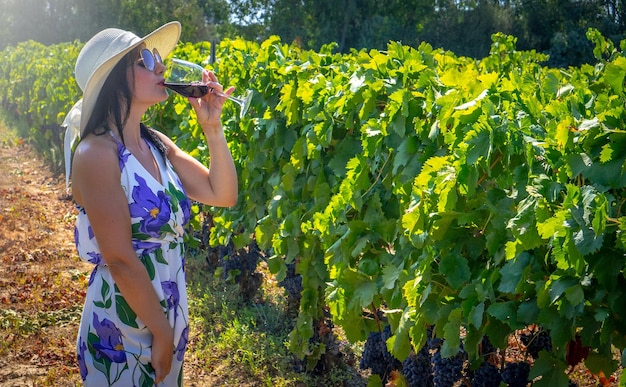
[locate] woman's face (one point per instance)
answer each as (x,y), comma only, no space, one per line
(147,86)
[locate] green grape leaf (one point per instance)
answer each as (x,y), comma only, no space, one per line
(478,145)
(476,315)
(455,269)
(614,74)
(551,370)
(528,312)
(390,275)
(364,293)
(504,311)
(399,342)
(512,273)
(451,335)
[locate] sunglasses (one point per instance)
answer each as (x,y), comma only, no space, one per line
(149,59)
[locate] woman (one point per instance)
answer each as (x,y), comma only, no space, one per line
(132,187)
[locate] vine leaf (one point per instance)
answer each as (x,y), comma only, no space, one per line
(451,331)
(512,273)
(455,269)
(551,370)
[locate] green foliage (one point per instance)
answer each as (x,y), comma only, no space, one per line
(39,88)
(432,188)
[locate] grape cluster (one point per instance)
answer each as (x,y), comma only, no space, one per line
(417,369)
(238,263)
(487,375)
(372,356)
(392,362)
(427,368)
(486,348)
(376,356)
(447,370)
(516,374)
(535,342)
(292,283)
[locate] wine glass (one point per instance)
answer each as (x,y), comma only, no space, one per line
(184,78)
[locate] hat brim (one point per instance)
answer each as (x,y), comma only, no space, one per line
(164,39)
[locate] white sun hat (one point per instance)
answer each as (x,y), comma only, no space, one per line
(94,64)
(102,52)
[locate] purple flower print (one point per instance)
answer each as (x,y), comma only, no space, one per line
(182,344)
(144,247)
(96,258)
(110,344)
(77,234)
(185,206)
(123,155)
(172,296)
(153,209)
(82,347)
(92,276)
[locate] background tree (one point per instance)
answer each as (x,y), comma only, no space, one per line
(55,21)
(555,27)
(466,28)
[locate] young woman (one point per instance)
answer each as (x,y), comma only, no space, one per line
(132,186)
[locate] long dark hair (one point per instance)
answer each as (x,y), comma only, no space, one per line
(114,102)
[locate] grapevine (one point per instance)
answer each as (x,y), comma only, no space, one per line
(240,267)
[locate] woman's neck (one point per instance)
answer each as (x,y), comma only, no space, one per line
(131,131)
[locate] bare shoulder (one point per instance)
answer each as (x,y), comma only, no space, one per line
(95,148)
(95,164)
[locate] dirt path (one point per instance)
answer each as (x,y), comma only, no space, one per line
(41,279)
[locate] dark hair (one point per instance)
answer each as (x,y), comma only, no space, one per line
(114,99)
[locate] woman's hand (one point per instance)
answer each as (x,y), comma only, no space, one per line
(209,108)
(162,353)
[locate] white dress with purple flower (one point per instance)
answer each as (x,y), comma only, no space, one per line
(114,345)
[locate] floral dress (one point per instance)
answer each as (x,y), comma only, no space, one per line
(114,345)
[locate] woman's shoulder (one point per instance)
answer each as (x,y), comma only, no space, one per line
(95,164)
(99,148)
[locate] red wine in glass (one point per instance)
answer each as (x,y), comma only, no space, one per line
(193,90)
(183,77)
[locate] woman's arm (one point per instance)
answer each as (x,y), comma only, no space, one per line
(96,187)
(216,185)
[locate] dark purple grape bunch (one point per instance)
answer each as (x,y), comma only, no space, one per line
(515,374)
(376,356)
(487,375)
(536,341)
(417,368)
(448,370)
